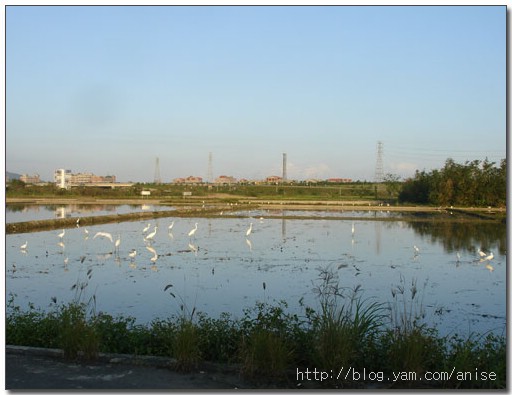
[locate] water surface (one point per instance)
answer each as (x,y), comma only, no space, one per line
(220,269)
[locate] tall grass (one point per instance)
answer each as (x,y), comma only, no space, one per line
(345,325)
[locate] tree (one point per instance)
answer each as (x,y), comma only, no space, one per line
(392,182)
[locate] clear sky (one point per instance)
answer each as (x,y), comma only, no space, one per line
(107,90)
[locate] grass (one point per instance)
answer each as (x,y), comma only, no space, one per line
(268,344)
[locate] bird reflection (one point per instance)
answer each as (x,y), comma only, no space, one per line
(193,248)
(248,242)
(132,254)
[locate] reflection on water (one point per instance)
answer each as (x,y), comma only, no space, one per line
(32,212)
(222,268)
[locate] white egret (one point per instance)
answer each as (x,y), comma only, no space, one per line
(152,234)
(353,228)
(193,231)
(487,257)
(78,222)
(104,234)
(24,246)
(86,231)
(171,225)
(249,230)
(146,228)
(154,258)
(481,253)
(458,256)
(132,253)
(118,242)
(61,234)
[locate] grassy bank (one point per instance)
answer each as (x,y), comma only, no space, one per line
(269,346)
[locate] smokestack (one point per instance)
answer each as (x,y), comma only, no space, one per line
(284,168)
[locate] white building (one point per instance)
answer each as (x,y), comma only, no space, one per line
(62,177)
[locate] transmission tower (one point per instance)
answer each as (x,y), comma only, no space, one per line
(158,180)
(379,167)
(210,168)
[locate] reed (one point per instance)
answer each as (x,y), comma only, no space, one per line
(77,333)
(345,325)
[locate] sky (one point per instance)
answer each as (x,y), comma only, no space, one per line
(109,89)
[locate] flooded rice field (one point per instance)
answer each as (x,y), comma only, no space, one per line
(222,269)
(34,212)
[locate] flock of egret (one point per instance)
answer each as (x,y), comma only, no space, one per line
(148,238)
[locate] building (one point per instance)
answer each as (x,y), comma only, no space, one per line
(339,180)
(189,180)
(65,179)
(62,177)
(30,179)
(273,179)
(225,180)
(89,178)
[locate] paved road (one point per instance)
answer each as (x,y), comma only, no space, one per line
(30,370)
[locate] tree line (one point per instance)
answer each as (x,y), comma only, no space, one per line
(474,183)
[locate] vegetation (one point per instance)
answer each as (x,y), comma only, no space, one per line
(476,183)
(300,191)
(269,345)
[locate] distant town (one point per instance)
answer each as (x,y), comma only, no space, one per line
(65,179)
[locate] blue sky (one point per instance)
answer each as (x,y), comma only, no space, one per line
(109,89)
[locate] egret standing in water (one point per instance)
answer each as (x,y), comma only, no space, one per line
(152,234)
(24,246)
(353,228)
(146,228)
(171,226)
(249,230)
(61,234)
(193,231)
(118,243)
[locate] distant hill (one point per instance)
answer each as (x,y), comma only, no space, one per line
(12,176)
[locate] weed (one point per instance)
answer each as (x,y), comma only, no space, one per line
(345,325)
(186,346)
